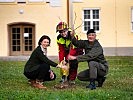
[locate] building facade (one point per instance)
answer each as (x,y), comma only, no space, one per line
(23,22)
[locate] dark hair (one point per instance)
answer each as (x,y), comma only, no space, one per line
(91,31)
(42,38)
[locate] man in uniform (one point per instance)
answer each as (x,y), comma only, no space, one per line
(98,66)
(66,48)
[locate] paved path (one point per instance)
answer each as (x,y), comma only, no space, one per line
(22,58)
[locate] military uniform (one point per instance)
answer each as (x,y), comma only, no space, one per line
(65,48)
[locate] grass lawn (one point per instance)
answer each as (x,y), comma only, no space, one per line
(118,86)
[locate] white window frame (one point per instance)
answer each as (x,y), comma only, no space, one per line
(132,19)
(36,1)
(7,1)
(91,19)
(55,3)
(77,0)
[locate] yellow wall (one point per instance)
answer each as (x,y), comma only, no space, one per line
(115,24)
(115,21)
(42,15)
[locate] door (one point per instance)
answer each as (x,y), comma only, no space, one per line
(22,39)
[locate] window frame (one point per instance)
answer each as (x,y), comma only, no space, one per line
(55,3)
(91,19)
(77,0)
(7,1)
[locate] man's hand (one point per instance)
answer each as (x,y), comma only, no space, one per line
(71,57)
(64,62)
(72,33)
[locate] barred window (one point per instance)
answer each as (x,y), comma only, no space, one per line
(91,19)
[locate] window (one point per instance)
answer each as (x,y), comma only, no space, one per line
(35,0)
(132,19)
(77,0)
(91,19)
(7,0)
(55,3)
(21,1)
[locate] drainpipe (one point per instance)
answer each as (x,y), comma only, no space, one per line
(116,48)
(70,13)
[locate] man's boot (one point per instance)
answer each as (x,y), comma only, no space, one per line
(100,81)
(92,84)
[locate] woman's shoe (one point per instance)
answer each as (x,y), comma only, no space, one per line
(30,81)
(38,85)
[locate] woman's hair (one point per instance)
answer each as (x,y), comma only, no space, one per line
(42,38)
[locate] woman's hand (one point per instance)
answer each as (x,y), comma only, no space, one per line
(51,74)
(65,67)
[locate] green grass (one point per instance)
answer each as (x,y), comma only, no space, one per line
(118,86)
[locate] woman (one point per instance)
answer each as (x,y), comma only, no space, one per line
(37,68)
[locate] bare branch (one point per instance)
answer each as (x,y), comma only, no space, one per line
(75,18)
(59,18)
(79,25)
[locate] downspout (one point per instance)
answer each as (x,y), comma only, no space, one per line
(116,48)
(70,13)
